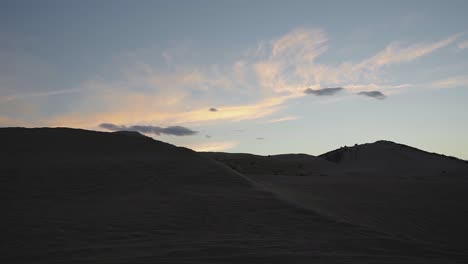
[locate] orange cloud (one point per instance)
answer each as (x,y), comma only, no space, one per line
(142,115)
(283,119)
(213,146)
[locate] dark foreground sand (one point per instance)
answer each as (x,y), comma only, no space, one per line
(73,196)
(392,188)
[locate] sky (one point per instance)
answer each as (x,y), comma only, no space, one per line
(263,77)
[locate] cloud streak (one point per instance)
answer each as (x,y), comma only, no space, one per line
(156,130)
(373,94)
(140,112)
(369,70)
(451,82)
(395,53)
(463,45)
(213,146)
(282,119)
(324,91)
(13,97)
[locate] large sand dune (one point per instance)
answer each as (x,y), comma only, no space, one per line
(402,191)
(75,196)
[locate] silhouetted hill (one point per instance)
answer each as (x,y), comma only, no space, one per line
(388,157)
(71,140)
(346,153)
(65,161)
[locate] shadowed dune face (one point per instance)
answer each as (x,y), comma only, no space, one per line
(78,159)
(76,141)
(74,196)
(393,188)
(386,157)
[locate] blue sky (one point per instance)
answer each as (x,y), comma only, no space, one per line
(156,65)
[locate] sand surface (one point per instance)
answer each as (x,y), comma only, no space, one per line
(73,196)
(405,192)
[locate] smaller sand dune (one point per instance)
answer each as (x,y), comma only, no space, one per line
(389,159)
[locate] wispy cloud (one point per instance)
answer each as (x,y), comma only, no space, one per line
(283,119)
(156,130)
(6,121)
(463,45)
(278,67)
(373,94)
(16,96)
(303,44)
(213,146)
(396,53)
(370,70)
(451,82)
(141,113)
(268,74)
(256,110)
(374,86)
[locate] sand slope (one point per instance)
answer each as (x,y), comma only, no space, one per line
(389,158)
(75,196)
(405,192)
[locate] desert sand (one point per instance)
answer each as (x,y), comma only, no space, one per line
(403,191)
(77,196)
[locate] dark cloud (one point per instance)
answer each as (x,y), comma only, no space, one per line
(212,109)
(324,91)
(374,94)
(171,130)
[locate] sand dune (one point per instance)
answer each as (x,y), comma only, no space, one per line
(396,189)
(386,158)
(75,196)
